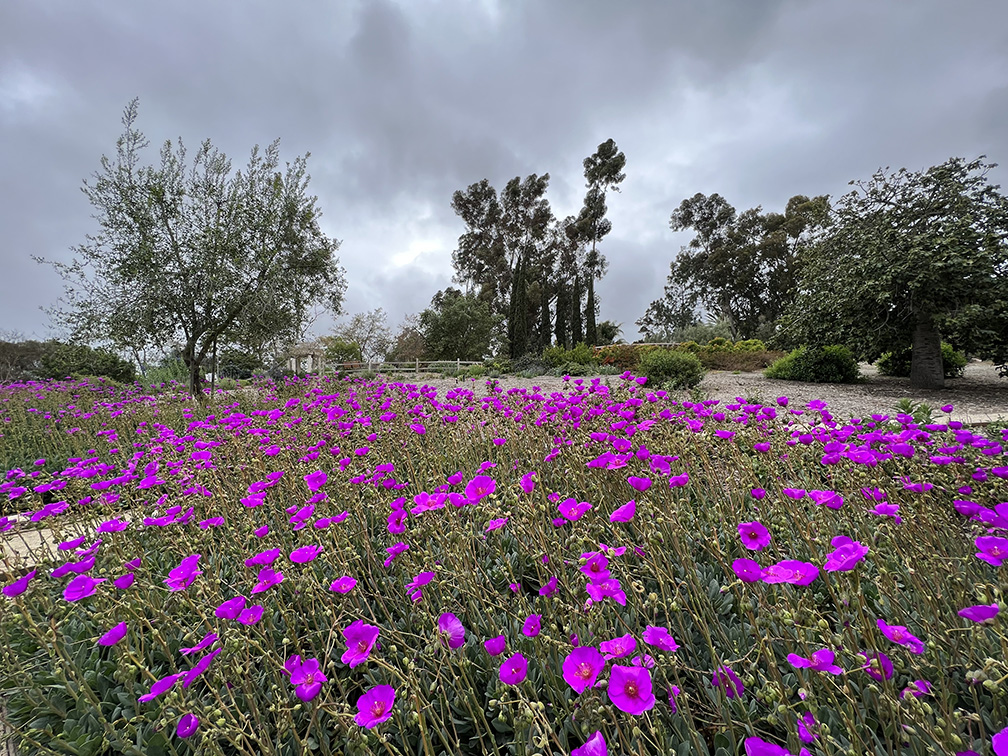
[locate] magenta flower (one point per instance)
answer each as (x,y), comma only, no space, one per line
(573,510)
(360,639)
(480,487)
(231,608)
(603,589)
(315,480)
(496,524)
(617,648)
(513,670)
(884,509)
(791,571)
(747,570)
(187,725)
(415,586)
(393,551)
(726,679)
(305,554)
(900,635)
(992,549)
(549,588)
(208,640)
(755,746)
(201,666)
(532,626)
(251,615)
(181,577)
(916,688)
(113,636)
(630,689)
(306,677)
(19,586)
(263,558)
(678,481)
(979,613)
(999,743)
(81,587)
(343,584)
(639,484)
(495,646)
(624,513)
(807,727)
(830,499)
(375,706)
(754,535)
(162,685)
(267,579)
(847,555)
(597,567)
(451,626)
(878,666)
(527,483)
(659,637)
(820,661)
(795,493)
(582,666)
(594,746)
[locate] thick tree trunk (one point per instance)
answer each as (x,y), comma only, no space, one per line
(195,381)
(591,335)
(926,370)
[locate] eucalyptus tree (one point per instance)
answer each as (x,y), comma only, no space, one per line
(192,253)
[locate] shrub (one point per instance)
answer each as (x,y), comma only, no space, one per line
(830,364)
(738,360)
(557,355)
(622,356)
(672,367)
(703,333)
(897,364)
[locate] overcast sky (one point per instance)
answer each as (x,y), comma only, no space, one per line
(401,104)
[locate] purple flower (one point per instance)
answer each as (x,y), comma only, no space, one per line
(113,636)
(630,690)
(878,666)
(550,588)
(315,480)
(755,746)
(617,648)
(187,725)
(979,613)
(181,577)
(451,626)
(513,669)
(263,558)
(581,667)
(594,746)
(807,727)
(267,579)
(639,484)
(992,549)
(624,513)
(201,666)
(162,685)
(830,499)
(360,639)
(659,637)
(610,588)
(916,688)
(305,554)
(375,706)
(343,584)
(231,608)
(754,535)
(527,483)
(415,586)
(999,743)
(495,524)
(306,677)
(81,587)
(573,510)
(747,570)
(480,487)
(900,635)
(19,586)
(495,646)
(791,571)
(393,551)
(820,661)
(726,679)
(847,555)
(795,493)
(251,615)
(208,640)
(884,509)
(532,626)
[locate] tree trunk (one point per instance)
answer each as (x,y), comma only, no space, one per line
(591,335)
(926,369)
(195,382)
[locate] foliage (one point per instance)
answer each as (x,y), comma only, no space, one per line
(898,363)
(742,268)
(911,258)
(829,364)
(339,351)
(581,354)
(44,360)
(196,254)
(496,561)
(672,367)
(239,364)
(369,331)
(457,326)
(410,343)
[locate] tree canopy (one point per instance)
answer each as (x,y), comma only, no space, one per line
(457,326)
(911,258)
(192,253)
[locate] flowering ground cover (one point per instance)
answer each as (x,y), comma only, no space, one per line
(371,567)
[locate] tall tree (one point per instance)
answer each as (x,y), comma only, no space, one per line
(911,257)
(196,253)
(369,331)
(577,326)
(457,326)
(603,171)
(481,260)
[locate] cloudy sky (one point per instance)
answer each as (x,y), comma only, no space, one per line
(401,104)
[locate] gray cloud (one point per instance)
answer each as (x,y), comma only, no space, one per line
(402,103)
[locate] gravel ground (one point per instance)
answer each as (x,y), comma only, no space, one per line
(980,396)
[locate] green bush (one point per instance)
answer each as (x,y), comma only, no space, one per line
(581,354)
(897,364)
(830,364)
(63,360)
(672,367)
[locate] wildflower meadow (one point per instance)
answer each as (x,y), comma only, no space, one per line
(351,566)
